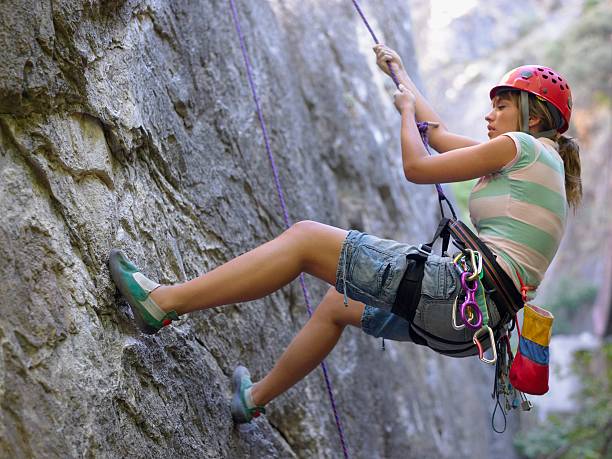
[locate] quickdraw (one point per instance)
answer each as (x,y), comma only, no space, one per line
(502,388)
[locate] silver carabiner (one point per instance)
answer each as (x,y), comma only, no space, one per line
(476,266)
(481,355)
(454,316)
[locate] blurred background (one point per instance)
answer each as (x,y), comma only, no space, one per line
(463,47)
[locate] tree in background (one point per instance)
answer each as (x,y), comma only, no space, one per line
(586,433)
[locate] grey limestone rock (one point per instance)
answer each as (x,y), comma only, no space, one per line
(130,124)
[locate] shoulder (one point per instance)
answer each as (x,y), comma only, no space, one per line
(527,150)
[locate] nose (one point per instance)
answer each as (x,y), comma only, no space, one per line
(489,116)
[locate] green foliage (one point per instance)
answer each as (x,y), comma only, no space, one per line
(584,54)
(586,433)
(589,4)
(569,299)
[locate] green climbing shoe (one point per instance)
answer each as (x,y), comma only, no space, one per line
(241,381)
(136,289)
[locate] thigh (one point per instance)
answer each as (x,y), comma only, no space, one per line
(319,246)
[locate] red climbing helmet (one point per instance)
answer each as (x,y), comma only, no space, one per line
(544,83)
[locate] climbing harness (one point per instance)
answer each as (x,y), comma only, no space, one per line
(283,205)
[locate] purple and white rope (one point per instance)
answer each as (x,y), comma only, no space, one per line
(283,205)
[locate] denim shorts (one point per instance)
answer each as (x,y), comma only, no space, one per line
(370,270)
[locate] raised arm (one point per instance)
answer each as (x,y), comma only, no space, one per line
(460,164)
(439,136)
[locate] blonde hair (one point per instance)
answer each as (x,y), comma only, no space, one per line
(568,147)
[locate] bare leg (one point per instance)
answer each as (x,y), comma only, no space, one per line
(310,346)
(307,246)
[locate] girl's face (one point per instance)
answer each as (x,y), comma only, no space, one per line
(503,117)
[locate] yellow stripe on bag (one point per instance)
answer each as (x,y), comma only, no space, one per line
(537,324)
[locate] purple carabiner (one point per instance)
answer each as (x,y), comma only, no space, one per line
(472,304)
(464,282)
(470,301)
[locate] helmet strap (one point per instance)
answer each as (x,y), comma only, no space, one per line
(550,134)
(525,112)
(524,101)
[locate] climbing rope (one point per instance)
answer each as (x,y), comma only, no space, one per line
(423,127)
(283,204)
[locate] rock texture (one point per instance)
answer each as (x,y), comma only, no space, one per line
(130,124)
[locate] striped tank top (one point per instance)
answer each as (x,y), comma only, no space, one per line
(520,211)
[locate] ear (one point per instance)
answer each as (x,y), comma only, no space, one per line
(534,121)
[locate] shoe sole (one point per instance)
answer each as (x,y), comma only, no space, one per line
(237,407)
(117,274)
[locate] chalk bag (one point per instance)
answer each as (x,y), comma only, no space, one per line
(529,370)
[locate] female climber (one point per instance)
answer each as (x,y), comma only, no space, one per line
(528,174)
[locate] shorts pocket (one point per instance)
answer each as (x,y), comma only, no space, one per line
(437,320)
(438,280)
(371,269)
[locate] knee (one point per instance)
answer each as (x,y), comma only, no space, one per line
(304,228)
(304,233)
(331,309)
(325,313)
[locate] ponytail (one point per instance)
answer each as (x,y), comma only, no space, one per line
(569,152)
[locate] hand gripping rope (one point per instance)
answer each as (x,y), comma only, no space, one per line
(423,127)
(283,205)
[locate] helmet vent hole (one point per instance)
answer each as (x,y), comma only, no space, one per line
(560,79)
(554,81)
(550,73)
(562,88)
(540,69)
(545,76)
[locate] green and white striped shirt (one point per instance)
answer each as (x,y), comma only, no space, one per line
(520,212)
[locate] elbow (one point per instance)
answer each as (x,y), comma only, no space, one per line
(412,175)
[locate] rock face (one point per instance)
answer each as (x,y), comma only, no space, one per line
(130,124)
